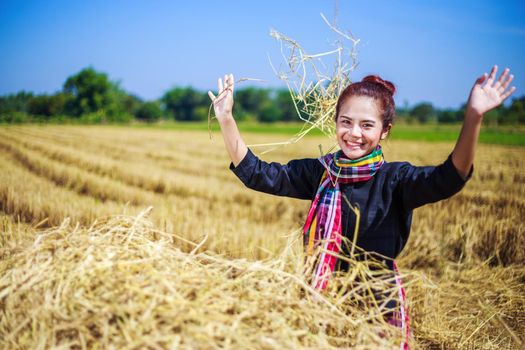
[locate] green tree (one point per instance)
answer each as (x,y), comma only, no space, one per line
(266,105)
(251,99)
(269,113)
(181,102)
(149,112)
(423,112)
(130,103)
(48,105)
(14,107)
(447,116)
(93,92)
(15,102)
(286,106)
(201,113)
(516,111)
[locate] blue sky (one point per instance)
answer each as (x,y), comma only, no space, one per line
(431,50)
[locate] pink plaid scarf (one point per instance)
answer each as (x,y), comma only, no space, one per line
(323,224)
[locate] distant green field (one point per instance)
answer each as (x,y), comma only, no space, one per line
(490,135)
(506,135)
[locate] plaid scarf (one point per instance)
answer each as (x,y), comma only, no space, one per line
(324,217)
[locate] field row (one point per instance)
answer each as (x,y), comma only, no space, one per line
(102,171)
(92,186)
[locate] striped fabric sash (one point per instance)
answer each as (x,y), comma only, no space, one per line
(323,223)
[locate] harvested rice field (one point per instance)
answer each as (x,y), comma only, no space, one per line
(126,238)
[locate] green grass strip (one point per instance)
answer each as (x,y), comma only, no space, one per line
(506,135)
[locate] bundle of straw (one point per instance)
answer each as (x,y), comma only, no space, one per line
(121,283)
(314,87)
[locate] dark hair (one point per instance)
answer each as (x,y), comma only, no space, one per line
(375,87)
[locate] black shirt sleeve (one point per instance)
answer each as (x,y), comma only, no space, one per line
(428,184)
(298,178)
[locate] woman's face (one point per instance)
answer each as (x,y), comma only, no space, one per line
(359,127)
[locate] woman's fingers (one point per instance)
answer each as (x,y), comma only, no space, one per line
(501,79)
(219,83)
(223,86)
(508,93)
(506,83)
(492,75)
(501,85)
(228,83)
(232,82)
(481,79)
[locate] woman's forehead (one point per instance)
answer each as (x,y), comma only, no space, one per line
(360,107)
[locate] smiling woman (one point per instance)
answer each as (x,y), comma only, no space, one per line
(364,115)
(357,176)
(359,128)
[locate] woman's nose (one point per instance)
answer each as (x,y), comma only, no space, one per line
(354,131)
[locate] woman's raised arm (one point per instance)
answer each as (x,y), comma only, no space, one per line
(223,106)
(486,94)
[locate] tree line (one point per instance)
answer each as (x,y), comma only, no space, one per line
(90,96)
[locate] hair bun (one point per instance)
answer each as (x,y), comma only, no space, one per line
(376,79)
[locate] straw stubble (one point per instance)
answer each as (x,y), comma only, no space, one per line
(121,283)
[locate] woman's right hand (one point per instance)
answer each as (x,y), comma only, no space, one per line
(223,102)
(223,105)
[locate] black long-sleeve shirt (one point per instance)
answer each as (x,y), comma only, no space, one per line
(385,202)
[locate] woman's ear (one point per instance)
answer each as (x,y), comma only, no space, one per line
(385,131)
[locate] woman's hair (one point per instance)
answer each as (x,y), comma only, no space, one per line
(375,87)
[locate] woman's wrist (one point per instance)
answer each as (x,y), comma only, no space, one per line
(473,115)
(225,118)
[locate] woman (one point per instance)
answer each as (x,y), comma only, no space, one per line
(357,174)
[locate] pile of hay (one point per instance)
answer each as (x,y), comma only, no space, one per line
(470,307)
(121,283)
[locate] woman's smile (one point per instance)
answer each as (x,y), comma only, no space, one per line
(353,145)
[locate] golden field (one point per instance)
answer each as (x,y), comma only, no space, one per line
(118,280)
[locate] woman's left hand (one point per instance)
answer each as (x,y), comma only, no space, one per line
(485,97)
